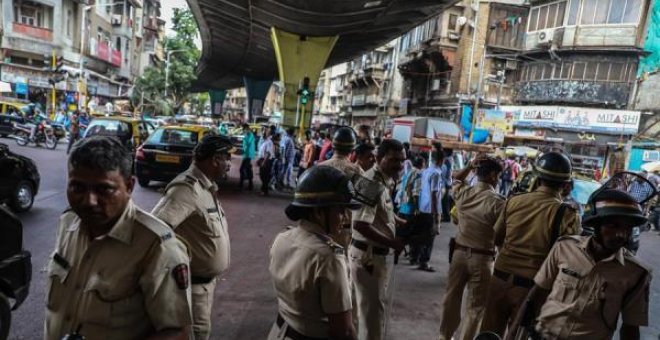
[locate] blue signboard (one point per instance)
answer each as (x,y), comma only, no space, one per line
(21,88)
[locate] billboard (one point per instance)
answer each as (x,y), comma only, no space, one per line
(575,119)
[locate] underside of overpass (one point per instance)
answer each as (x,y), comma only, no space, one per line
(236,34)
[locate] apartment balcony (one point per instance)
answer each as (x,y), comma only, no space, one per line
(102,51)
(39,33)
(574,92)
(122,26)
(151,23)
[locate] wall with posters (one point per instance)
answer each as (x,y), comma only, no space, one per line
(575,119)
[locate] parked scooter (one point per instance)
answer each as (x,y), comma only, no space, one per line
(15,268)
(44,134)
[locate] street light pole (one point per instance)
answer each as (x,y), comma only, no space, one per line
(475,108)
(167,68)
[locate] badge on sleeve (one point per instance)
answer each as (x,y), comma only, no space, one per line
(180,274)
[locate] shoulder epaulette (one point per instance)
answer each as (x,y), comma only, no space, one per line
(336,248)
(185,180)
(158,227)
(574,238)
(630,257)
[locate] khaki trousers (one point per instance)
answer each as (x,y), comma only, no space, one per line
(202,301)
(504,300)
(473,270)
(370,292)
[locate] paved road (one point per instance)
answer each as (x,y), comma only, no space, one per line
(245,302)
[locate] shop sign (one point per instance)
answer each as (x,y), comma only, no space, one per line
(16,75)
(533,133)
(495,120)
(21,88)
(575,119)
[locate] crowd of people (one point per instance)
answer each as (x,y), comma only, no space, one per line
(525,267)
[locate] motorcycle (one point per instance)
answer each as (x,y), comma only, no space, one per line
(44,134)
(15,268)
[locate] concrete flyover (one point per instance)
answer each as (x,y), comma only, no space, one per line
(236,34)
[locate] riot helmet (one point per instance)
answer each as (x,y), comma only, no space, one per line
(344,140)
(553,166)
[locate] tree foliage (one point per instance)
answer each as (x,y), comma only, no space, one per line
(184,55)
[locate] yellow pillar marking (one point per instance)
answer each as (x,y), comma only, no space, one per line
(296,59)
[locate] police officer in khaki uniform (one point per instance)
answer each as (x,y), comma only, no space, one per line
(588,282)
(472,250)
(116,272)
(343,143)
(191,207)
(373,236)
(308,267)
(525,231)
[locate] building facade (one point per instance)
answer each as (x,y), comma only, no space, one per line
(113,46)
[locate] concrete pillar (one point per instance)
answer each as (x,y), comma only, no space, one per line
(256,91)
(299,57)
(217,99)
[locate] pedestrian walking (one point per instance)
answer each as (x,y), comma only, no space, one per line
(472,250)
(373,236)
(288,147)
(408,195)
(74,130)
(265,162)
(326,147)
(116,271)
(525,231)
(587,283)
(191,207)
(364,156)
(446,197)
(248,155)
(307,160)
(424,230)
(308,265)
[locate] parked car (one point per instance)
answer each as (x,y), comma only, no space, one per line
(19,180)
(167,152)
(130,131)
(15,268)
(7,122)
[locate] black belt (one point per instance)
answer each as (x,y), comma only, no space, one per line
(200,280)
(292,333)
(364,246)
(517,280)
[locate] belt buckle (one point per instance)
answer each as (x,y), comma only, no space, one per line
(468,250)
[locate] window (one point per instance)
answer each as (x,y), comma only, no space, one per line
(588,11)
(565,70)
(547,16)
(533,20)
(603,71)
(578,71)
(453,18)
(547,71)
(590,71)
(616,72)
(599,12)
(573,12)
(631,11)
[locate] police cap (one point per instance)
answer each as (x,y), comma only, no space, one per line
(608,203)
(211,145)
(554,166)
(344,139)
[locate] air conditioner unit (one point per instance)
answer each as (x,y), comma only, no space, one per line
(545,37)
(511,65)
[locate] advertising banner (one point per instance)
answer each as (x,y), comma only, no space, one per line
(575,119)
(495,120)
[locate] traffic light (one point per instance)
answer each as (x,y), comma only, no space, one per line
(304,92)
(59,62)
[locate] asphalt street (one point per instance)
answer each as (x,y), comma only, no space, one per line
(245,304)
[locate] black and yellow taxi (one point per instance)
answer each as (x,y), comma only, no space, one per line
(167,152)
(10,114)
(131,131)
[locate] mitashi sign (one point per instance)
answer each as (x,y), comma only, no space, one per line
(575,119)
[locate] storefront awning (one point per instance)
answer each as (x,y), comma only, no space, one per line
(5,87)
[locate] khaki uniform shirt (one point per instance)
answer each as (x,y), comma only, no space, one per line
(525,226)
(381,216)
(310,277)
(122,285)
(586,297)
(478,209)
(191,208)
(344,165)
